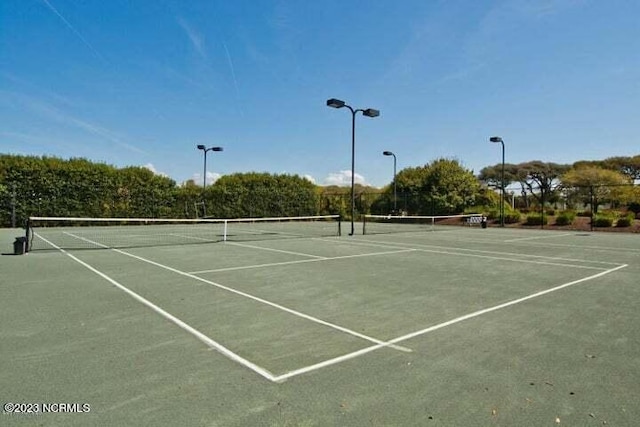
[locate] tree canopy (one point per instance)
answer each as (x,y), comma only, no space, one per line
(441,187)
(51,186)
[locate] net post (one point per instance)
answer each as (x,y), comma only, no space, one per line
(433,223)
(364,225)
(27,230)
(339,225)
(224,233)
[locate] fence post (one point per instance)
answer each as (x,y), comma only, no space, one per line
(542,207)
(13,205)
(591,203)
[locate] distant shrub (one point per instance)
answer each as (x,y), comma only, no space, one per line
(584,213)
(512,217)
(493,213)
(565,218)
(625,221)
(535,219)
(603,221)
(551,212)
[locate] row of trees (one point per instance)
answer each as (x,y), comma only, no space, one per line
(584,182)
(50,186)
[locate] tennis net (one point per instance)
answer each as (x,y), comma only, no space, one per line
(97,233)
(381,224)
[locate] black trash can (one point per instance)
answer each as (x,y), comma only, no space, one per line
(20,246)
(483,223)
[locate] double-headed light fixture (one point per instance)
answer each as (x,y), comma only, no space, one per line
(369,112)
(205,150)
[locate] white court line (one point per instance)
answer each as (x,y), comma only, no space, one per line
(199,335)
(275,250)
(411,335)
(386,244)
(520,258)
(246,295)
(300,261)
(557,245)
(538,237)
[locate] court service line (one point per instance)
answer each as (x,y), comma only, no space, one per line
(276,250)
(249,296)
(537,237)
(415,334)
(252,246)
(183,325)
(299,261)
(382,244)
(421,248)
(463,238)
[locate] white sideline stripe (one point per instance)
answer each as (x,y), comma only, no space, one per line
(199,335)
(505,253)
(557,245)
(276,250)
(254,247)
(421,248)
(411,335)
(253,297)
(504,305)
(299,261)
(537,237)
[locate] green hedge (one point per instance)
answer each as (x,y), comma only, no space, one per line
(603,221)
(625,221)
(512,217)
(565,218)
(536,219)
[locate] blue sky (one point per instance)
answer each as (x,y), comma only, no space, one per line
(137,82)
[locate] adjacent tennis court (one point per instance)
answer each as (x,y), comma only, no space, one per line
(289,323)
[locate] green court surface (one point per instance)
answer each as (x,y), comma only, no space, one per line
(460,326)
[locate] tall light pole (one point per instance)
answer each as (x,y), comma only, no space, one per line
(205,150)
(395,193)
(497,139)
(369,112)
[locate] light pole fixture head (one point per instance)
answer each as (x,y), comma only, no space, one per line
(216,149)
(495,139)
(370,112)
(387,153)
(201,147)
(335,103)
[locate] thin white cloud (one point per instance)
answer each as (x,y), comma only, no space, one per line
(53,113)
(197,40)
(233,76)
(343,178)
(76,32)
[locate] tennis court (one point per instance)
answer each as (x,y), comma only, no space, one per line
(446,326)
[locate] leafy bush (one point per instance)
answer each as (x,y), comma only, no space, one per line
(512,217)
(584,213)
(625,221)
(493,214)
(565,218)
(603,221)
(550,212)
(536,219)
